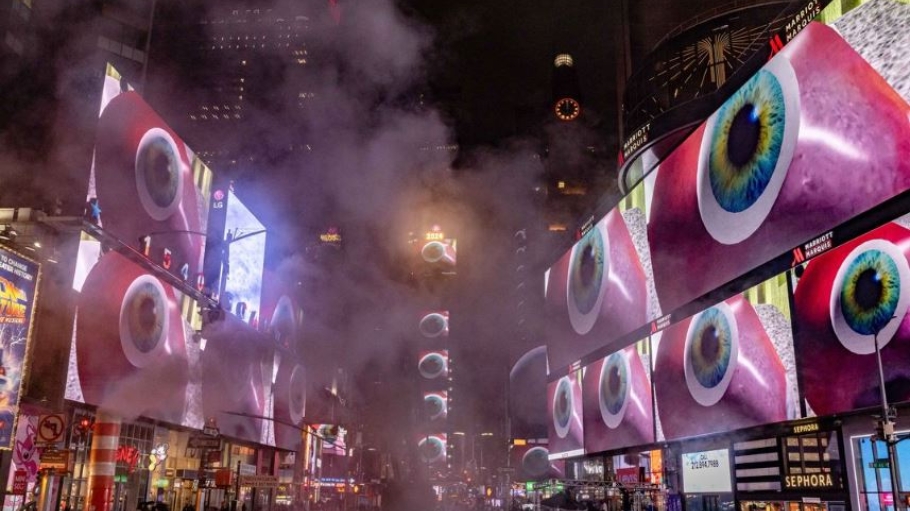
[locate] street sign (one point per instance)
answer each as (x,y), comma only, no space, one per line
(20,482)
(204,442)
(51,429)
(879,463)
(259,481)
(56,459)
(211,431)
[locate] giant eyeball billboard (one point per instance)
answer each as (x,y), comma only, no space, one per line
(136,347)
(843,301)
(434,365)
(432,448)
(728,367)
(600,289)
(147,188)
(813,139)
(618,411)
(435,406)
(532,463)
(564,407)
(19,279)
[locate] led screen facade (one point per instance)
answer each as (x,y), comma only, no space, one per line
(780,163)
(434,324)
(19,277)
(435,406)
(532,463)
(727,367)
(842,300)
(235,255)
(432,449)
(564,404)
(601,289)
(146,187)
(139,346)
(816,178)
(433,365)
(437,252)
(618,410)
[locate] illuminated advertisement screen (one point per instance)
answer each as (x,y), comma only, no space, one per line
(147,188)
(434,324)
(234,272)
(527,395)
(600,289)
(564,405)
(137,346)
(707,472)
(781,162)
(281,320)
(436,406)
(618,411)
(18,293)
(532,463)
(290,393)
(843,299)
(432,448)
(437,251)
(433,365)
(727,367)
(333,439)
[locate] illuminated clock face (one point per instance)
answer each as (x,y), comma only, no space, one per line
(567,109)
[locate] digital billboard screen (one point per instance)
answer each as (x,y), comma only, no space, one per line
(602,288)
(432,449)
(618,410)
(19,278)
(433,365)
(146,187)
(234,265)
(728,367)
(434,324)
(707,472)
(334,438)
(781,162)
(437,252)
(842,300)
(564,405)
(436,406)
(532,463)
(139,345)
(528,395)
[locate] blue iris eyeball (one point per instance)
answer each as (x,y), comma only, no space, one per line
(746,150)
(711,353)
(870,296)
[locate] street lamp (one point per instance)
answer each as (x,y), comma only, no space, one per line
(885,426)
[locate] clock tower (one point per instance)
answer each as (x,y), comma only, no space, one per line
(566,105)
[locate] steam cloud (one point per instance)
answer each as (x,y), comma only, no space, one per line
(376,164)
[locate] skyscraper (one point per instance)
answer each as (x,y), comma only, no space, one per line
(247,66)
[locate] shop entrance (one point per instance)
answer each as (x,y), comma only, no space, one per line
(772,505)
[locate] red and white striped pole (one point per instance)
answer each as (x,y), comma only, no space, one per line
(103,463)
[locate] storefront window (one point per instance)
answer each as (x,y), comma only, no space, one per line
(722,502)
(812,462)
(875,486)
